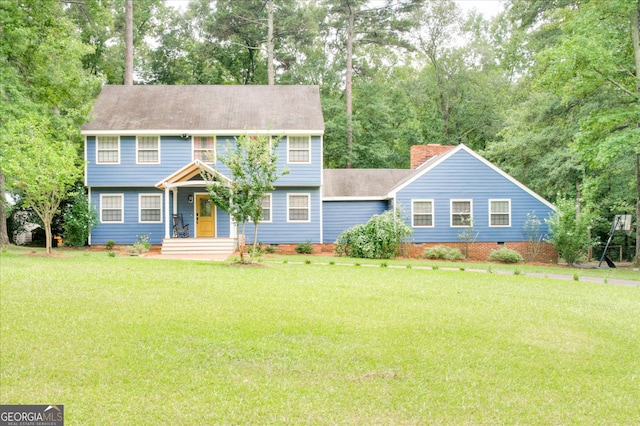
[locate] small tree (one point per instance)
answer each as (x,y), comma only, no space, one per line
(40,166)
(533,235)
(254,169)
(569,232)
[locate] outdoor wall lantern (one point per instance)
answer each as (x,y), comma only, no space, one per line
(190,199)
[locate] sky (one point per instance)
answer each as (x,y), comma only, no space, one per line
(488,8)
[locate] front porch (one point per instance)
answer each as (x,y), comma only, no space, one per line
(194,225)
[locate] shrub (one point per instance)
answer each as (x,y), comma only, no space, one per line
(304,248)
(379,238)
(569,234)
(110,244)
(79,217)
(505,255)
(441,252)
(140,246)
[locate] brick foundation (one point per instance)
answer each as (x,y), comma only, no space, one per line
(476,251)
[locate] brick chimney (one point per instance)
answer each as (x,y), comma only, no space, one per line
(422,153)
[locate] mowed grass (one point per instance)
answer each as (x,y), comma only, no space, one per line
(147,341)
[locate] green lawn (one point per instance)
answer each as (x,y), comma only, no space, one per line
(147,341)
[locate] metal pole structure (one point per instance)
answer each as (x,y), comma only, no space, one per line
(613,229)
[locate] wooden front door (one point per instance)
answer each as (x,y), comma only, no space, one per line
(205,216)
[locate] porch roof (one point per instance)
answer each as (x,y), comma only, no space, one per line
(185,174)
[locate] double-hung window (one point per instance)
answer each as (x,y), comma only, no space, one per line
(461,213)
(112,208)
(266,208)
(500,212)
(422,213)
(299,149)
(148,149)
(204,149)
(298,207)
(150,208)
(107,150)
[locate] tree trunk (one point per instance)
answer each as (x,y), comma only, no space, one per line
(255,241)
(128,43)
(270,66)
(348,85)
(48,235)
(4,236)
(635,38)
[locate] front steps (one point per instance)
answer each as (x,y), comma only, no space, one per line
(186,246)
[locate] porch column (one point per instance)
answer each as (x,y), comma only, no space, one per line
(175,201)
(167,214)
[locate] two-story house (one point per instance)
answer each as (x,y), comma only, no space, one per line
(147,146)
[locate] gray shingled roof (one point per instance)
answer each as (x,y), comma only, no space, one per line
(372,183)
(193,108)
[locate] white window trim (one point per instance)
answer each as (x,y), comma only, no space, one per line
(470,201)
(121,208)
(308,195)
(138,150)
(140,208)
(270,208)
(433,216)
(215,148)
(289,150)
(508,200)
(98,152)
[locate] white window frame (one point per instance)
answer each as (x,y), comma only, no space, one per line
(491,213)
(413,214)
(298,194)
(193,149)
(121,196)
(98,150)
(160,207)
(138,161)
(451,213)
(290,150)
(270,197)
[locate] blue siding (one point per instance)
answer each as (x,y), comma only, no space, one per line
(338,216)
(127,232)
(279,231)
(175,153)
(462,176)
(299,174)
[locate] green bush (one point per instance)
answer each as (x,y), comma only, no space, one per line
(505,255)
(441,252)
(79,217)
(304,248)
(379,238)
(110,244)
(569,235)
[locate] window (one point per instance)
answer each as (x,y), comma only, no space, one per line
(422,213)
(299,149)
(111,208)
(298,207)
(150,208)
(500,212)
(266,208)
(148,149)
(204,149)
(461,213)
(107,150)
